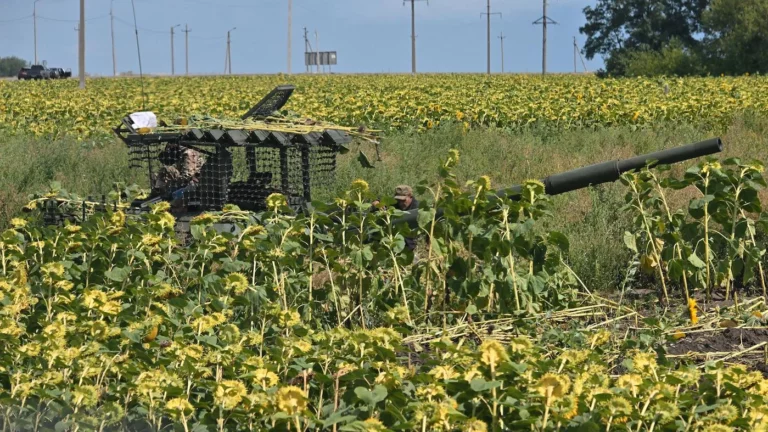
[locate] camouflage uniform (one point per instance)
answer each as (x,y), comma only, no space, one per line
(182,173)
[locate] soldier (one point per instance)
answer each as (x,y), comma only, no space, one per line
(181,168)
(406,202)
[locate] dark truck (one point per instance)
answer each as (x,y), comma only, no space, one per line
(61,73)
(35,72)
(38,72)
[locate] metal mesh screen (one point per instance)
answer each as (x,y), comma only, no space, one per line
(207,176)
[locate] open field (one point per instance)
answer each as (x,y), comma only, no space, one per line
(424,101)
(591,219)
(635,306)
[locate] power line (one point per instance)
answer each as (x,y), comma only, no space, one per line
(71,21)
(16,19)
(140,28)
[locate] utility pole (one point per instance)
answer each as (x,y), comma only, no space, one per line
(502,37)
(173,58)
(82,44)
(413,37)
(317,50)
(413,33)
(488,14)
(186,48)
(544,21)
(112,22)
(290,32)
(226,55)
(575,53)
(228,63)
(306,49)
(34,18)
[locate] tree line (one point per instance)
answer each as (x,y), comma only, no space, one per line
(678,37)
(10,66)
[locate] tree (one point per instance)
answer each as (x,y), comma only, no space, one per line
(9,66)
(736,40)
(673,59)
(618,27)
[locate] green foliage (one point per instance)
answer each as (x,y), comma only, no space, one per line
(114,325)
(112,320)
(673,59)
(681,37)
(322,321)
(618,28)
(10,66)
(736,36)
(29,165)
(712,244)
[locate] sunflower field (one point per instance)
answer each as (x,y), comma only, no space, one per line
(325,321)
(386,101)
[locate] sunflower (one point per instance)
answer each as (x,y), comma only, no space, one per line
(291,400)
(18,223)
(275,201)
(665,412)
(360,185)
(568,407)
(179,407)
(553,386)
(237,282)
(492,353)
(229,394)
(265,378)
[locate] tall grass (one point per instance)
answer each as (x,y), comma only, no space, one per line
(590,218)
(28,166)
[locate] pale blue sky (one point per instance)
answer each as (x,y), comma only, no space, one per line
(369,35)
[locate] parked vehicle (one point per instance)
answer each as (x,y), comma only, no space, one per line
(35,72)
(61,73)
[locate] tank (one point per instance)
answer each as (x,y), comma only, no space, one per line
(604,172)
(243,163)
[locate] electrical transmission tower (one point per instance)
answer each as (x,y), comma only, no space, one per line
(488,14)
(544,21)
(413,32)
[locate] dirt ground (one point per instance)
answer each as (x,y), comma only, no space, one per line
(717,344)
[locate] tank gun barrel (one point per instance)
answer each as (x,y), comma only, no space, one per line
(604,172)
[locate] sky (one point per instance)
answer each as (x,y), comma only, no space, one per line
(370,36)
